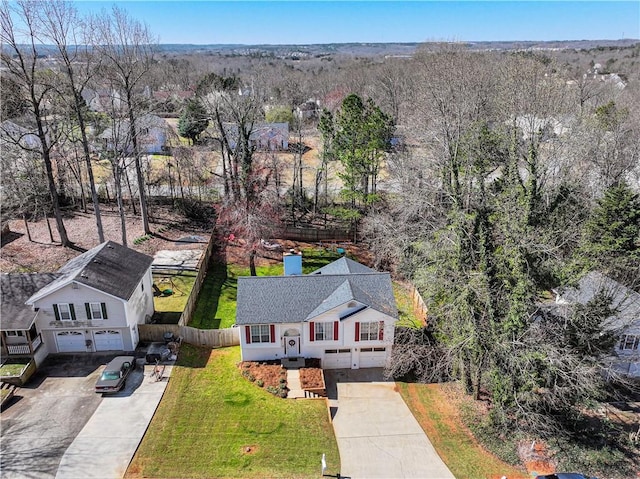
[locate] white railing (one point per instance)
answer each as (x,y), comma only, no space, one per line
(24,349)
(18,349)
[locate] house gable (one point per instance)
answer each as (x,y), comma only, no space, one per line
(293,299)
(109,267)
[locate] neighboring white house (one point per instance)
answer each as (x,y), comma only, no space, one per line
(343,314)
(626,321)
(96,301)
(152,136)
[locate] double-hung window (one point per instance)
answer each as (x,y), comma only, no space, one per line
(260,333)
(96,310)
(370,331)
(629,342)
(64,312)
(323,331)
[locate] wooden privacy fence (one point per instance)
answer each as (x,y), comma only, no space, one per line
(419,306)
(213,338)
(313,235)
(202,267)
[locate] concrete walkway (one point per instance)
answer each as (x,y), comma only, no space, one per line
(377,435)
(293,383)
(105,446)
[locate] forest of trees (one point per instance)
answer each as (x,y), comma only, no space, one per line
(484,178)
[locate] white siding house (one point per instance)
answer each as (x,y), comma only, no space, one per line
(625,322)
(342,314)
(96,302)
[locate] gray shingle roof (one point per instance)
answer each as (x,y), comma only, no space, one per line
(344,265)
(109,267)
(290,299)
(624,301)
(16,289)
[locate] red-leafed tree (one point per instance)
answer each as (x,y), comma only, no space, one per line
(256,214)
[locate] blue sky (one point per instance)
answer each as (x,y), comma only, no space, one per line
(298,22)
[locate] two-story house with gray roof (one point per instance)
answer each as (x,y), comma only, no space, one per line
(343,314)
(95,302)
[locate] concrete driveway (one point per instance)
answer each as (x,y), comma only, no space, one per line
(377,435)
(58,427)
(45,416)
(105,446)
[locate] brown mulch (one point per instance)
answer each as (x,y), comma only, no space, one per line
(267,372)
(19,255)
(311,378)
(237,254)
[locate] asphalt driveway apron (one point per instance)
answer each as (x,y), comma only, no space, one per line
(377,435)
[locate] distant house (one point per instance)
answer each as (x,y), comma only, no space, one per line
(152,136)
(102,99)
(309,110)
(625,322)
(548,128)
(12,133)
(94,303)
(343,314)
(263,136)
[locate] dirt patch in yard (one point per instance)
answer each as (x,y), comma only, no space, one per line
(19,255)
(237,253)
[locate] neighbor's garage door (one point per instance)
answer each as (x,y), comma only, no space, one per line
(109,340)
(70,341)
(372,357)
(337,359)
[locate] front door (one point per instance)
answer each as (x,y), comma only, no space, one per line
(292,346)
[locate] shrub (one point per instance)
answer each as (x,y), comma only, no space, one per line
(260,382)
(273,390)
(283,380)
(252,378)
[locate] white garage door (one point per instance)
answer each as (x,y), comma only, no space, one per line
(372,357)
(70,342)
(337,359)
(109,340)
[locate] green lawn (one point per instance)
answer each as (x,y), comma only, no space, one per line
(406,316)
(13,367)
(170,307)
(210,415)
(455,444)
(216,307)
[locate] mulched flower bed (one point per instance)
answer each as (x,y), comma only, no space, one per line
(265,373)
(311,378)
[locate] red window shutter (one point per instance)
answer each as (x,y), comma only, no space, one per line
(357,331)
(247,330)
(272,329)
(381,331)
(335,330)
(312,331)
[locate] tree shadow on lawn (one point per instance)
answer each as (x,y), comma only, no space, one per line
(166,317)
(209,297)
(193,356)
